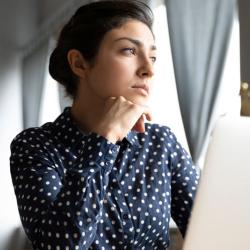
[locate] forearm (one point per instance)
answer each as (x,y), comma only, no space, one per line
(59,211)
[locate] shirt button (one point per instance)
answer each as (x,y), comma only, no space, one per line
(125,216)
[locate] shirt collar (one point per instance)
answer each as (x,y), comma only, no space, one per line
(67,130)
(132,138)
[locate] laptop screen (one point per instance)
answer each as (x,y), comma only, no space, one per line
(220,218)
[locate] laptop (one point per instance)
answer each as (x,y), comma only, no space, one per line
(220,217)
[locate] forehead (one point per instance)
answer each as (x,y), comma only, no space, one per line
(132,29)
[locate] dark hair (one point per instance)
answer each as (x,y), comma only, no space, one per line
(85,31)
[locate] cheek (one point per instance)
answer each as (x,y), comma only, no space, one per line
(119,67)
(116,75)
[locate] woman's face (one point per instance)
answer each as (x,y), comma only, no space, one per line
(124,65)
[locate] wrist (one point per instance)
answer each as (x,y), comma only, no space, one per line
(108,134)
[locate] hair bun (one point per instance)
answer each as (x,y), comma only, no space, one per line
(60,70)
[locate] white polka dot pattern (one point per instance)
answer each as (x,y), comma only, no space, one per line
(79,191)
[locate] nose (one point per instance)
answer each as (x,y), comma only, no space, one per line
(146,68)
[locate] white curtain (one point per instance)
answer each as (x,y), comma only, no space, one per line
(199,35)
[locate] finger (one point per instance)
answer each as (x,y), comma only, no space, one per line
(147,113)
(149,116)
(141,123)
(139,126)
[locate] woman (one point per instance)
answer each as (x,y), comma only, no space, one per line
(99,176)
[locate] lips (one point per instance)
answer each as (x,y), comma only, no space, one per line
(142,86)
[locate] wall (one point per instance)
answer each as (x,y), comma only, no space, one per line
(17,25)
(10,124)
(48,8)
(20,21)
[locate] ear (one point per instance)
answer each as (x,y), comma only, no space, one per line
(77,63)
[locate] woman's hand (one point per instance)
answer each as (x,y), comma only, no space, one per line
(119,117)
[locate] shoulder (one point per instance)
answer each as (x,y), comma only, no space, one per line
(159,132)
(162,136)
(32,137)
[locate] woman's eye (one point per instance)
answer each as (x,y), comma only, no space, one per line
(129,51)
(153,58)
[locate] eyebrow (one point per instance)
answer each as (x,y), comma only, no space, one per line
(135,41)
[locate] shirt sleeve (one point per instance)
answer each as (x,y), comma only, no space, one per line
(61,211)
(184,182)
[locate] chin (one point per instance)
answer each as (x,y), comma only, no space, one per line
(139,100)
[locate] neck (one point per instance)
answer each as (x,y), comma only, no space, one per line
(86,112)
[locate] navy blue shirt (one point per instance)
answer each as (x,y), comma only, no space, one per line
(79,191)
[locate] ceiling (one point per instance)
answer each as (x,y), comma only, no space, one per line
(19,20)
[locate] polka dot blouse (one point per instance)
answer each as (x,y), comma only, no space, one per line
(79,191)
